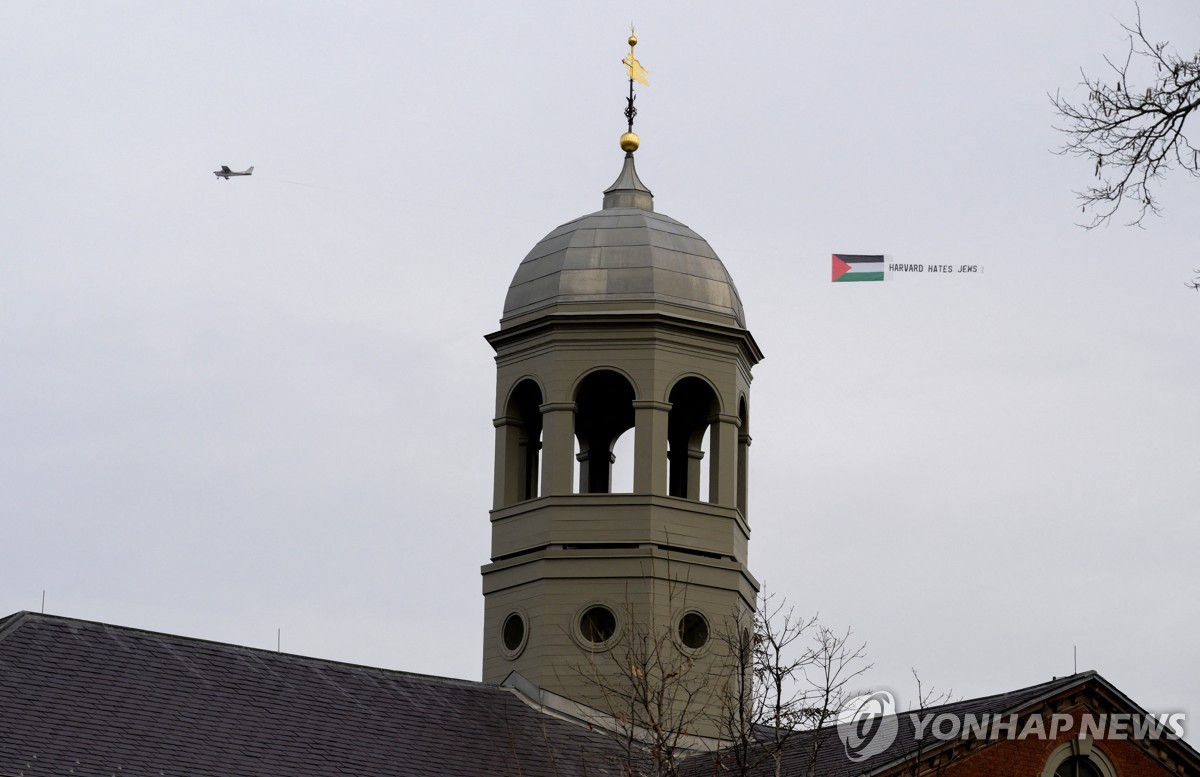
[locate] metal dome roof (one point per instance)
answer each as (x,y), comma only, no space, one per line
(625,254)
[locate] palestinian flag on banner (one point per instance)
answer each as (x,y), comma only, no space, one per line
(857,267)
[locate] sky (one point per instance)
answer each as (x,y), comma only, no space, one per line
(258,411)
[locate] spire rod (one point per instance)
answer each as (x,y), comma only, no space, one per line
(630,111)
(629,140)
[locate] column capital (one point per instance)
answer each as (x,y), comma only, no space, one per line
(651,404)
(725,418)
(507,420)
(553,407)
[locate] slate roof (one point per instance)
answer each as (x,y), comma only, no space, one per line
(85,699)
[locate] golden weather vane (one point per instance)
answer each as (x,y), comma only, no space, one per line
(632,66)
(635,71)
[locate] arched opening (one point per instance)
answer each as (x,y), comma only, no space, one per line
(603,412)
(743,457)
(622,466)
(1079,757)
(693,403)
(523,442)
(1077,766)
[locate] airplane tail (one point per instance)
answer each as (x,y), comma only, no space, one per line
(251,170)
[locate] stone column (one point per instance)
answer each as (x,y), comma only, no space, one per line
(650,446)
(558,448)
(695,462)
(722,479)
(743,487)
(528,474)
(508,456)
(595,476)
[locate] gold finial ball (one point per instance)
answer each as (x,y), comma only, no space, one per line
(630,142)
(632,41)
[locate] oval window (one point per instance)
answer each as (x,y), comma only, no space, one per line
(513,632)
(693,630)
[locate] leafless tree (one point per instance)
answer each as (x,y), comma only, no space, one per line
(792,676)
(920,762)
(655,694)
(1132,125)
(781,675)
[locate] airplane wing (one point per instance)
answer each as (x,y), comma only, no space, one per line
(225,169)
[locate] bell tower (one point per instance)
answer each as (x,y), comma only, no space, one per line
(620,322)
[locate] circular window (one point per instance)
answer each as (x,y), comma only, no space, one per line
(693,630)
(597,624)
(513,634)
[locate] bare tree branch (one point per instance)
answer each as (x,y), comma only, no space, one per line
(918,763)
(776,675)
(656,693)
(792,674)
(1133,134)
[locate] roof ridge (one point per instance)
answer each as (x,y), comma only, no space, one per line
(1036,694)
(32,616)
(10,623)
(1059,683)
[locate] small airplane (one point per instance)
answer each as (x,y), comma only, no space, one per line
(225,172)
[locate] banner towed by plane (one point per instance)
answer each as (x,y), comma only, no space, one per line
(876,267)
(857,267)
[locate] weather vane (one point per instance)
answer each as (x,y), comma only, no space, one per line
(629,141)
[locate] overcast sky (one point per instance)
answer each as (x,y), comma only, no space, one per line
(232,407)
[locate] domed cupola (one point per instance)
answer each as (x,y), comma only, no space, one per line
(622,336)
(624,256)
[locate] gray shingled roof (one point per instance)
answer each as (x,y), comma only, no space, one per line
(91,700)
(85,699)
